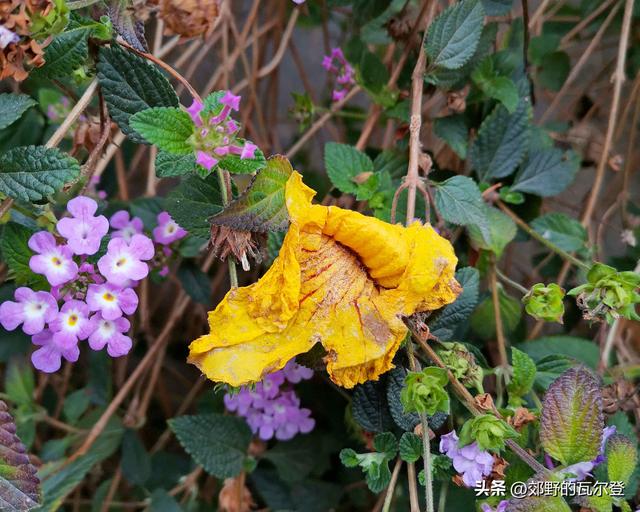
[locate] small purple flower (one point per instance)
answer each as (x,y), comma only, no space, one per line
(206,160)
(577,472)
(338,94)
(194,111)
(337,64)
(7,37)
(33,310)
(124,225)
(125,261)
(167,230)
(502,507)
(48,358)
(298,2)
(71,324)
(112,301)
(53,261)
(295,373)
(231,100)
(248,151)
(84,231)
(110,333)
(239,402)
(470,461)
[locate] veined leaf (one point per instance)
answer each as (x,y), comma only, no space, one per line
(453,37)
(236,165)
(562,230)
(456,314)
(459,201)
(453,130)
(12,106)
(167,127)
(501,231)
(524,374)
(343,164)
(547,172)
(67,52)
(16,254)
(169,165)
(572,421)
(122,15)
(370,406)
(410,447)
(260,208)
(33,172)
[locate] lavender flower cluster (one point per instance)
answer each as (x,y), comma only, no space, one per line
(337,64)
(85,303)
(470,461)
(273,409)
(216,136)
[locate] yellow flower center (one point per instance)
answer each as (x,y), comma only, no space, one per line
(109,297)
(56,261)
(73,320)
(121,262)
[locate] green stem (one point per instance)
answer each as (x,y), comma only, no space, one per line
(511,282)
(233,273)
(442,502)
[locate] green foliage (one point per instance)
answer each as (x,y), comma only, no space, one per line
(524,374)
(622,457)
(218,443)
(236,165)
(561,230)
(195,282)
(545,302)
(65,54)
(296,459)
(454,131)
(135,462)
(483,320)
(502,230)
(424,391)
(410,447)
(496,86)
(168,128)
(344,165)
(193,202)
(488,431)
(454,315)
(376,464)
(553,70)
(395,385)
(130,85)
(122,15)
(260,208)
(169,165)
(453,36)
(462,363)
(33,172)
(370,406)
(459,201)
(16,255)
(12,107)
(571,423)
(546,173)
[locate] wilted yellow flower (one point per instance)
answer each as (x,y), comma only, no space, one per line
(341,279)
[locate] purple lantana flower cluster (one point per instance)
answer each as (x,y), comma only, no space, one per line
(470,461)
(216,134)
(86,300)
(272,408)
(337,64)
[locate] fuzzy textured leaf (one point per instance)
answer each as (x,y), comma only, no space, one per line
(236,165)
(67,52)
(453,130)
(370,406)
(16,254)
(260,208)
(12,106)
(539,504)
(218,443)
(343,164)
(546,173)
(33,172)
(572,421)
(524,374)
(130,85)
(453,37)
(455,314)
(169,165)
(167,127)
(562,230)
(122,15)
(410,447)
(459,201)
(501,142)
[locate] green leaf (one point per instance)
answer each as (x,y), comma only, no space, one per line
(370,406)
(497,7)
(561,230)
(553,71)
(130,85)
(547,172)
(19,383)
(67,52)
(456,314)
(501,231)
(236,165)
(539,504)
(16,254)
(343,164)
(580,349)
(622,456)
(524,374)
(410,447)
(459,201)
(193,202)
(550,367)
(169,165)
(542,45)
(12,106)
(123,16)
(572,421)
(372,73)
(295,459)
(33,172)
(395,384)
(135,462)
(19,486)
(483,320)
(453,36)
(162,501)
(502,89)
(195,282)
(75,405)
(453,130)
(167,127)
(218,443)
(501,142)
(260,208)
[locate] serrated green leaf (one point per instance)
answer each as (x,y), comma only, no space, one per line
(561,230)
(343,164)
(217,442)
(372,73)
(295,459)
(75,405)
(16,254)
(162,501)
(456,314)
(260,208)
(169,165)
(33,172)
(497,7)
(195,282)
(547,172)
(502,89)
(524,374)
(622,456)
(572,421)
(580,349)
(395,383)
(67,52)
(193,202)
(12,106)
(501,231)
(453,36)
(167,127)
(453,130)
(19,383)
(123,16)
(501,142)
(130,85)
(236,165)
(410,447)
(370,407)
(553,71)
(135,462)
(483,320)
(459,201)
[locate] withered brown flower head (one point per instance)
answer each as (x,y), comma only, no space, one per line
(241,244)
(188,18)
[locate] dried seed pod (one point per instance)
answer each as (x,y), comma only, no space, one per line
(189,18)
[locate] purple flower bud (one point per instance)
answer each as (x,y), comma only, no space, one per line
(168,230)
(53,261)
(231,100)
(7,37)
(338,94)
(248,151)
(33,310)
(194,111)
(206,160)
(84,231)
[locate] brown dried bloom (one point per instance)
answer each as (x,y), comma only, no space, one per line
(242,244)
(234,496)
(188,18)
(521,417)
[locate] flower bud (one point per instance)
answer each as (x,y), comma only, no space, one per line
(488,431)
(424,391)
(545,302)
